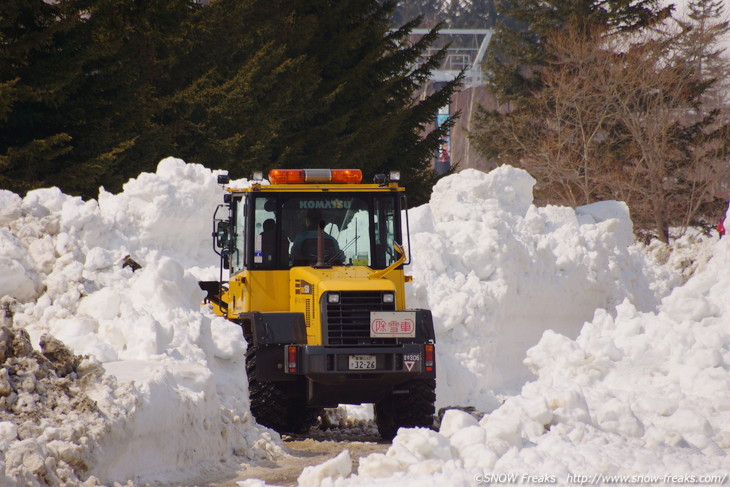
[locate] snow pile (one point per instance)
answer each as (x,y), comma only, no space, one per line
(637,398)
(643,395)
(334,468)
(179,403)
(497,271)
(635,388)
(686,254)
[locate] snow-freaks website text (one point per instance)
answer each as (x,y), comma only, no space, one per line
(598,479)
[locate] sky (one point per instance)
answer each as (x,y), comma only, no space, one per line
(585,353)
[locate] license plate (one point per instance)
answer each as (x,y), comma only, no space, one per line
(362,362)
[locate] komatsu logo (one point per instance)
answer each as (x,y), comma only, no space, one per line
(325,204)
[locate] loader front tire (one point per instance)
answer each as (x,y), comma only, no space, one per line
(407,410)
(273,405)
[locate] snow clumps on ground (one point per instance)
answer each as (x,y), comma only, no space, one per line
(44,409)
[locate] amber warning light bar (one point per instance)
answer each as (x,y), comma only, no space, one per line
(293,176)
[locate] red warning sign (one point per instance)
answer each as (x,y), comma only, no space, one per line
(393,324)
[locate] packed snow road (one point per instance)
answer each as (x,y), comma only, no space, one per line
(300,453)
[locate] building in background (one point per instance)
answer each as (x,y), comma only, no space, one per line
(465,53)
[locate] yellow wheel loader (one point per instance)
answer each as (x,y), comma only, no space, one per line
(314,263)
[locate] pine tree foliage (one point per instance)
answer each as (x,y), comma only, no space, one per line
(94,91)
(705,29)
(453,14)
(8,95)
(311,84)
(516,52)
(475,14)
(28,30)
(84,78)
(429,11)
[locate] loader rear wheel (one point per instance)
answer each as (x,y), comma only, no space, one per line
(272,404)
(412,409)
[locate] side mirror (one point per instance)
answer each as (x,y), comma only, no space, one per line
(221,234)
(226,260)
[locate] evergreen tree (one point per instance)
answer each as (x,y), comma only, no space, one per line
(454,14)
(31,80)
(470,14)
(121,92)
(238,86)
(516,51)
(312,84)
(429,11)
(704,29)
(94,91)
(86,76)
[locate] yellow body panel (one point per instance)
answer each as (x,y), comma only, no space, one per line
(300,290)
(273,287)
(308,284)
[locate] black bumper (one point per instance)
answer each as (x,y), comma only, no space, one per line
(330,365)
(322,374)
(331,381)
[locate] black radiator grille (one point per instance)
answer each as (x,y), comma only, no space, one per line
(348,322)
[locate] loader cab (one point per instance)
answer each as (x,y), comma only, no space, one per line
(278,230)
(271,248)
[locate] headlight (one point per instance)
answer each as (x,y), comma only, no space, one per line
(333,298)
(388,297)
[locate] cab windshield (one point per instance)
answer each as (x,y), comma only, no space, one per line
(358,229)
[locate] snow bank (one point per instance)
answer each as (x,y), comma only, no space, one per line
(175,396)
(497,271)
(638,397)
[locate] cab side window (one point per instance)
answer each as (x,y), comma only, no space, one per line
(266,242)
(239,217)
(384,230)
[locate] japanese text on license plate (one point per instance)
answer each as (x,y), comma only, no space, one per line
(362,362)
